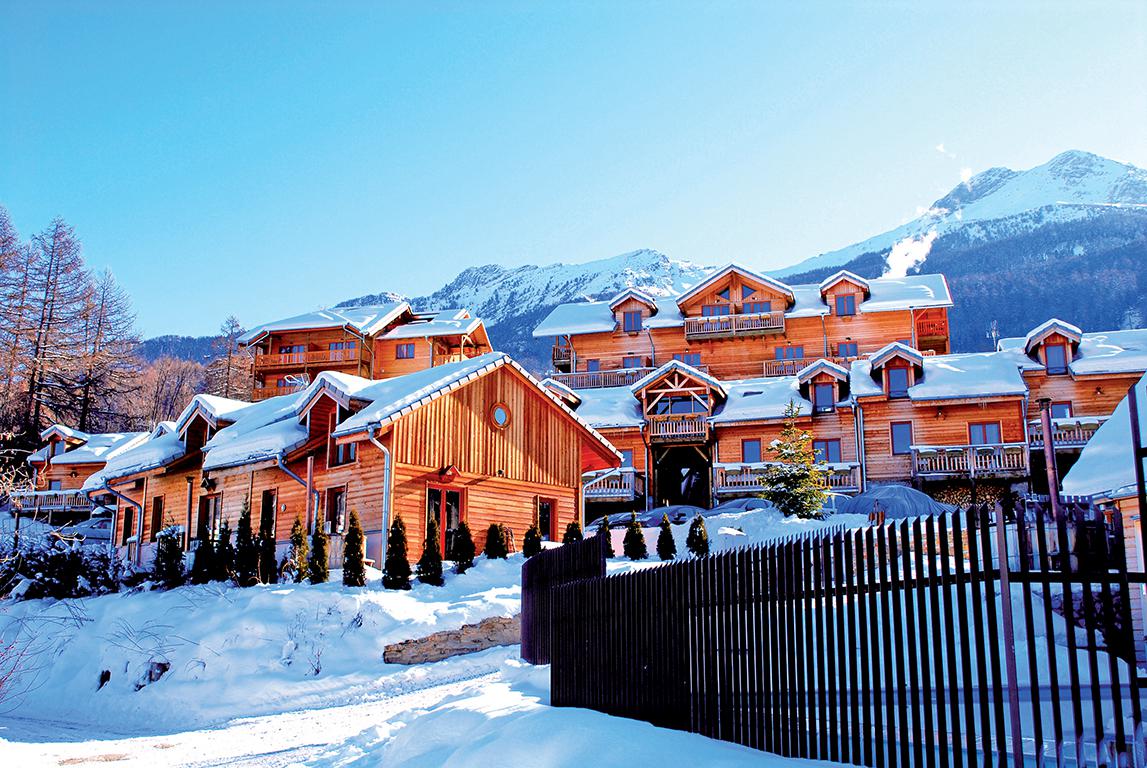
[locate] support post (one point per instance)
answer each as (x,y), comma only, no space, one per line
(1049,455)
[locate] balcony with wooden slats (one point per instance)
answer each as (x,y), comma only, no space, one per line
(792,367)
(624,485)
(1068,434)
(616,377)
(318,357)
(725,326)
(68,502)
(561,356)
(264,393)
(678,428)
(992,460)
(750,478)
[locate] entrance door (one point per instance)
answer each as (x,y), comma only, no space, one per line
(546,519)
(444,504)
(682,476)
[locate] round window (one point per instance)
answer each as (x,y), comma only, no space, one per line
(500,415)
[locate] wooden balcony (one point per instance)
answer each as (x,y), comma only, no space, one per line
(561,356)
(721,326)
(678,428)
(731,480)
(792,367)
(263,393)
(69,502)
(625,485)
(616,377)
(931,328)
(995,460)
(305,359)
(1067,434)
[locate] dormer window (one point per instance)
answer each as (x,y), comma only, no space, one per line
(846,305)
(57,448)
(824,398)
(631,321)
(1055,358)
(898,380)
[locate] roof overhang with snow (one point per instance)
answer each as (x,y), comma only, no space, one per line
(635,295)
(1052,327)
(844,276)
(363,321)
(810,371)
(678,367)
(893,351)
(745,274)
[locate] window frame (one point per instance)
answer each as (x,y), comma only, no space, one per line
(625,362)
(853,347)
(1060,404)
(626,321)
(892,437)
(715,310)
(443,489)
(337,526)
(592,365)
(897,394)
(828,442)
(782,352)
(760,448)
(816,390)
(982,426)
(1057,370)
(694,358)
(754,307)
(404,351)
(849,302)
(156,521)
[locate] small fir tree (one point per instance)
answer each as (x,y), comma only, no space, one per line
(318,566)
(697,541)
(573,533)
(463,548)
(246,550)
(268,573)
(396,569)
(168,566)
(606,539)
(496,545)
(224,554)
(430,564)
(634,543)
(532,541)
(297,553)
(354,555)
(203,563)
(795,484)
(666,546)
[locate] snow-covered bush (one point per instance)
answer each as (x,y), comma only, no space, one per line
(354,554)
(52,567)
(666,546)
(294,565)
(532,541)
(168,566)
(429,568)
(698,540)
(497,546)
(633,545)
(462,549)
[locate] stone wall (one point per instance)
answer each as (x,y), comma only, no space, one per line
(497,630)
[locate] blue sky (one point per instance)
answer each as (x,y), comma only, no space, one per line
(273,157)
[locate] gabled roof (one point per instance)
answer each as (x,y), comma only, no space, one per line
(889,351)
(448,322)
(597,317)
(806,374)
(64,432)
(950,377)
(571,398)
(366,320)
(676,366)
(264,431)
(724,272)
(1106,467)
(212,408)
(159,449)
(1038,334)
(636,295)
(93,448)
(843,275)
(1098,353)
(340,387)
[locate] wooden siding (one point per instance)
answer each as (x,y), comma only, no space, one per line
(1088,395)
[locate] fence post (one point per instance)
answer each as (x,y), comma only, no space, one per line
(1009,638)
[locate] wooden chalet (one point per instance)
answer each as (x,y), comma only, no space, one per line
(740,324)
(375,342)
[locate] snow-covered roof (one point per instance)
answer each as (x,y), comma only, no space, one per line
(609,407)
(150,454)
(64,432)
(213,408)
(1106,467)
(1045,329)
(264,430)
(635,294)
(561,390)
(723,272)
(760,399)
(1102,352)
(950,377)
(895,349)
(843,274)
(679,367)
(822,366)
(889,294)
(100,448)
(597,317)
(366,320)
(450,322)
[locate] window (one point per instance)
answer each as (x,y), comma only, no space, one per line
(128,523)
(292,349)
(593,365)
(335,518)
(57,447)
(847,349)
(55,485)
(404,351)
(339,454)
(500,415)
(268,502)
(341,345)
(445,506)
(897,382)
(714,310)
(1061,410)
(627,457)
(824,398)
(751,451)
(632,321)
(341,350)
(156,516)
(901,437)
(680,404)
(631,361)
(746,292)
(1055,356)
(846,305)
(723,294)
(790,352)
(208,520)
(689,358)
(758,307)
(986,433)
(546,519)
(827,451)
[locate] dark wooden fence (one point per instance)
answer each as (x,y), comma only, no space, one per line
(932,641)
(580,560)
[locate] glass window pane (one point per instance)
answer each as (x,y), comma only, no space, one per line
(750,451)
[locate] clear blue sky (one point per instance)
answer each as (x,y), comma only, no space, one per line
(270,158)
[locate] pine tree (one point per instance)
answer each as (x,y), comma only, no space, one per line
(203,565)
(496,548)
(666,546)
(430,564)
(268,572)
(224,554)
(354,554)
(297,552)
(532,541)
(794,483)
(606,539)
(246,550)
(634,543)
(319,566)
(463,548)
(573,533)
(168,566)
(697,541)
(396,569)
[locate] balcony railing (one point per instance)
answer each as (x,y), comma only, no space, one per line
(995,460)
(717,326)
(1067,433)
(625,485)
(51,501)
(562,355)
(678,428)
(263,393)
(317,357)
(617,377)
(749,478)
(926,329)
(792,367)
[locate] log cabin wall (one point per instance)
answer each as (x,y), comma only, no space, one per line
(314,342)
(63,474)
(629,439)
(388,364)
(1088,395)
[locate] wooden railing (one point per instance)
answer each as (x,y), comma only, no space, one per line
(749,478)
(678,428)
(1004,459)
(716,326)
(931,328)
(562,355)
(54,501)
(624,485)
(263,393)
(616,377)
(1066,433)
(307,358)
(792,367)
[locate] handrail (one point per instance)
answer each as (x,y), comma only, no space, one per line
(614,377)
(352,355)
(708,326)
(673,427)
(749,478)
(991,458)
